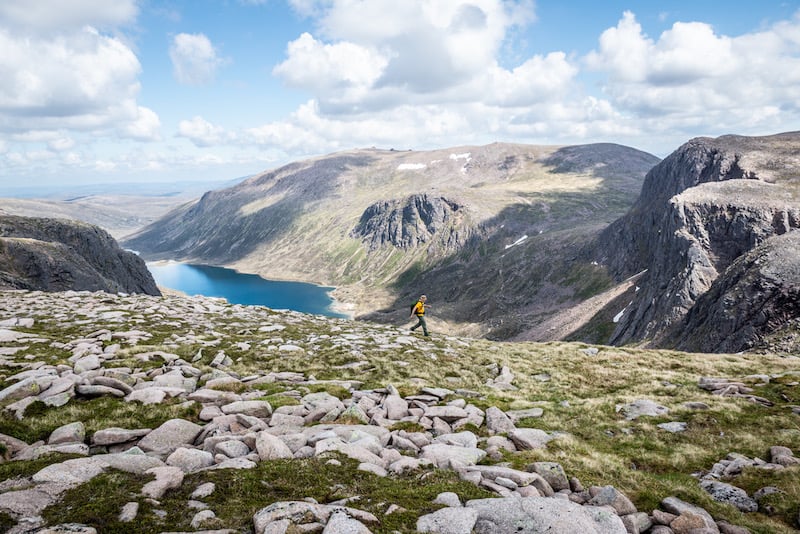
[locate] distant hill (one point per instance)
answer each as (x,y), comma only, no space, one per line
(59,255)
(118,208)
(491,233)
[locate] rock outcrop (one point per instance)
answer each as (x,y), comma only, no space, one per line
(755,301)
(59,255)
(710,202)
(411,222)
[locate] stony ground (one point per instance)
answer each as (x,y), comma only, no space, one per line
(164,414)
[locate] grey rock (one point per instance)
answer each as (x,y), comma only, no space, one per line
(297,511)
(449,521)
(553,473)
(204,490)
(448,498)
(129,512)
(131,461)
(341,523)
(446,413)
(641,407)
(529,438)
(113,435)
(146,396)
(190,460)
(253,408)
(98,391)
(112,383)
(372,468)
(170,435)
(26,388)
(232,448)
(167,477)
(71,472)
(673,426)
(532,515)
(722,492)
(441,454)
(212,396)
(610,496)
(270,447)
(396,407)
(675,506)
(69,433)
(201,517)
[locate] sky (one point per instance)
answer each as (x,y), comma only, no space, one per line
(93,91)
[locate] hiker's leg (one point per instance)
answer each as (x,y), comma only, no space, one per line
(424,325)
(416,325)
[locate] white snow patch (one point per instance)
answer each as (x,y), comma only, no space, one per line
(411,166)
(618,316)
(466,155)
(594,263)
(517,242)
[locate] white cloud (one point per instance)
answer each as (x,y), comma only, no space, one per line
(408,51)
(202,133)
(145,126)
(691,77)
(329,68)
(194,59)
(61,144)
(48,16)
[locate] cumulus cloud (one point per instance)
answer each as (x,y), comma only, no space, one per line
(143,126)
(202,133)
(69,77)
(691,74)
(194,59)
(409,50)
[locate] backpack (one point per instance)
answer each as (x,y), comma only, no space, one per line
(411,310)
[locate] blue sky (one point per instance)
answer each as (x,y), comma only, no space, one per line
(143,90)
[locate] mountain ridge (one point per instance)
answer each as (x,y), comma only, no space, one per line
(298,221)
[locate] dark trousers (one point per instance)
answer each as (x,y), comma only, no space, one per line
(421,322)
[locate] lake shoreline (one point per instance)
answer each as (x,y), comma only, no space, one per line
(334,308)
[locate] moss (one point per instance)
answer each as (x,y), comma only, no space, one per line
(99,501)
(96,414)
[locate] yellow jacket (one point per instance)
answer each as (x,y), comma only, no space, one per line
(419,309)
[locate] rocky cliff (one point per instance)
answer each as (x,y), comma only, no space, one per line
(411,222)
(706,205)
(59,255)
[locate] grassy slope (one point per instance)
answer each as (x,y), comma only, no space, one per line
(599,446)
(295,223)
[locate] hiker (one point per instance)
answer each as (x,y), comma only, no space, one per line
(419,311)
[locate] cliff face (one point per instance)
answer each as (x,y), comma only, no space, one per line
(58,255)
(412,222)
(706,205)
(755,303)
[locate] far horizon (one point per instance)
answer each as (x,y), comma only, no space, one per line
(147,92)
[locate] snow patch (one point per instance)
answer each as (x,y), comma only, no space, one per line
(517,242)
(466,155)
(618,316)
(411,166)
